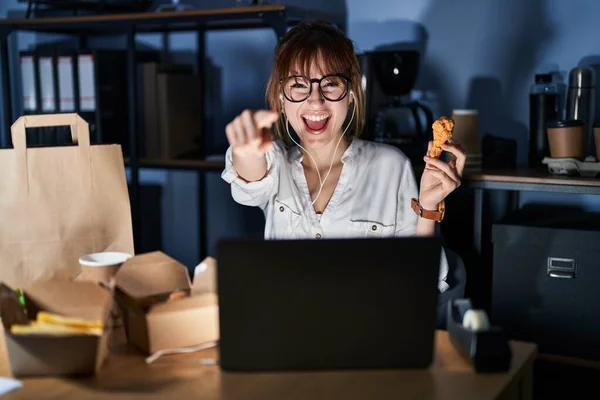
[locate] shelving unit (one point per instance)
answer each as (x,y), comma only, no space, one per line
(276,17)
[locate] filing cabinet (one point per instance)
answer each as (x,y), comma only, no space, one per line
(546,281)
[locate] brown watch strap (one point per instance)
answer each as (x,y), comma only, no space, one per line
(436,215)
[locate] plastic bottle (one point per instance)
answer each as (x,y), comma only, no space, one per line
(544,102)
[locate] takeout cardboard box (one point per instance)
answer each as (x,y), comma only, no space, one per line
(44,355)
(152,322)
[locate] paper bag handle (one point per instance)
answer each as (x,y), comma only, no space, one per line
(80,134)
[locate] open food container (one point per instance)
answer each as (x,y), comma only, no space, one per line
(63,329)
(162,308)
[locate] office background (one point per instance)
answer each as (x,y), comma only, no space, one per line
(479,54)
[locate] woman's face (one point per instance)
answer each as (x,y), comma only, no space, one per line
(317,121)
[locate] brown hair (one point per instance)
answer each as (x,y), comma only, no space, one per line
(315,42)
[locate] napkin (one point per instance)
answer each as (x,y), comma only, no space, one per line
(8,385)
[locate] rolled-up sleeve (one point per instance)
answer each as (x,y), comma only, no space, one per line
(255,193)
(406,219)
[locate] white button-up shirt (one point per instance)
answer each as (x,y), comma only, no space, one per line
(372,197)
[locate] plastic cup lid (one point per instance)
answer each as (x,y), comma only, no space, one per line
(104,259)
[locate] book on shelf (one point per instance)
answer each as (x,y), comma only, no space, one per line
(172,100)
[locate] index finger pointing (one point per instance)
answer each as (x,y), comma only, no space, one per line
(264,119)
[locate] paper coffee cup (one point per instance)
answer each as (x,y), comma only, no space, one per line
(597,140)
(466,130)
(566,139)
(101,267)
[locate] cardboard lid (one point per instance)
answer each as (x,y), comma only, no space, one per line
(11,311)
(150,274)
(205,277)
(66,297)
(187,303)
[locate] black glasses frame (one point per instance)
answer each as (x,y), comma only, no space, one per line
(318,81)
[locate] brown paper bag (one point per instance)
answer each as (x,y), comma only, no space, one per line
(59,203)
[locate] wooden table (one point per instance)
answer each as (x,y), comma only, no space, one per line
(126,376)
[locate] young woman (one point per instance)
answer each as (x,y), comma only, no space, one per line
(318,179)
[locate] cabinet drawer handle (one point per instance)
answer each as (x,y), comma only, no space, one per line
(562,268)
(562,275)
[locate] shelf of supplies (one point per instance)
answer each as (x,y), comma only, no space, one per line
(530,179)
(260,16)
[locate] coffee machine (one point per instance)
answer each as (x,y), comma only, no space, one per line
(392,116)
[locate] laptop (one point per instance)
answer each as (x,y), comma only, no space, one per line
(327,304)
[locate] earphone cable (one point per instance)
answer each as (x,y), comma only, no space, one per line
(321,181)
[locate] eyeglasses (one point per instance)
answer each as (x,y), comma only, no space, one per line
(298,88)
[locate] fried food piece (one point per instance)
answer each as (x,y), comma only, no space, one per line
(53,324)
(36,328)
(442,131)
(179,294)
(44,317)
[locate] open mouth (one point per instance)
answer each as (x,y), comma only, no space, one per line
(316,124)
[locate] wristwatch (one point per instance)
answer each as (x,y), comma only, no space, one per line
(436,215)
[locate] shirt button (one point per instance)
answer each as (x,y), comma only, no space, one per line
(281,208)
(318,236)
(374,227)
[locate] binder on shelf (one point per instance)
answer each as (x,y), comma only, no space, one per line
(66,83)
(48,82)
(86,93)
(28,82)
(87,82)
(65,78)
(30,89)
(46,66)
